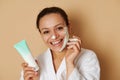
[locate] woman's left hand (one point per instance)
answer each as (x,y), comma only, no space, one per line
(73,49)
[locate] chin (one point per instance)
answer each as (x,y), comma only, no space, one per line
(56,50)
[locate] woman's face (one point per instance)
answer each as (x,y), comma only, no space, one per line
(52,27)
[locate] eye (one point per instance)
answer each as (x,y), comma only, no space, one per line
(45,32)
(60,28)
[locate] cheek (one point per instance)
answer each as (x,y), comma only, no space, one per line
(45,39)
(63,34)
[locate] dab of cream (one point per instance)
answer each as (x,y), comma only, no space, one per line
(65,39)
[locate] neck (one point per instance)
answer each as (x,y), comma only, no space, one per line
(57,58)
(59,55)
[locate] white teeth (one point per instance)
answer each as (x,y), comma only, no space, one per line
(56,42)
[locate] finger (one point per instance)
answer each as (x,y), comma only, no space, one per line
(74,43)
(29,76)
(74,47)
(80,41)
(75,36)
(75,40)
(28,69)
(30,72)
(36,73)
(26,73)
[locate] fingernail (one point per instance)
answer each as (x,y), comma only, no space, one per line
(36,73)
(74,39)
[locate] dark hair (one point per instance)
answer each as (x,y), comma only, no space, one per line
(50,10)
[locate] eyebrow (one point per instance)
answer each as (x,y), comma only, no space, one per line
(54,26)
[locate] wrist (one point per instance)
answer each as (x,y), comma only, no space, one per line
(70,62)
(70,67)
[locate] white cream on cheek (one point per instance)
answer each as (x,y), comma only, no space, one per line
(65,39)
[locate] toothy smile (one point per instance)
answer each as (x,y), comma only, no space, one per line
(56,42)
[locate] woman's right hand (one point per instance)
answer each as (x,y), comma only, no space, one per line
(29,73)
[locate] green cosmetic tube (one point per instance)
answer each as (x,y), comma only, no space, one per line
(24,51)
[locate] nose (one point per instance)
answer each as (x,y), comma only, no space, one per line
(54,35)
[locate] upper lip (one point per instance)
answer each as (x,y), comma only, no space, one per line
(55,42)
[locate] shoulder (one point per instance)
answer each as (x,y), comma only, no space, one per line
(87,63)
(43,57)
(86,55)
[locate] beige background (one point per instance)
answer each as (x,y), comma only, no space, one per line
(97,22)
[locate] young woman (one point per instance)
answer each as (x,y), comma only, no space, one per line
(64,59)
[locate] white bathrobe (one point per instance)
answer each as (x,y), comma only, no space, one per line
(86,67)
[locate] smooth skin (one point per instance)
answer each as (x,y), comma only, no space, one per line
(53,24)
